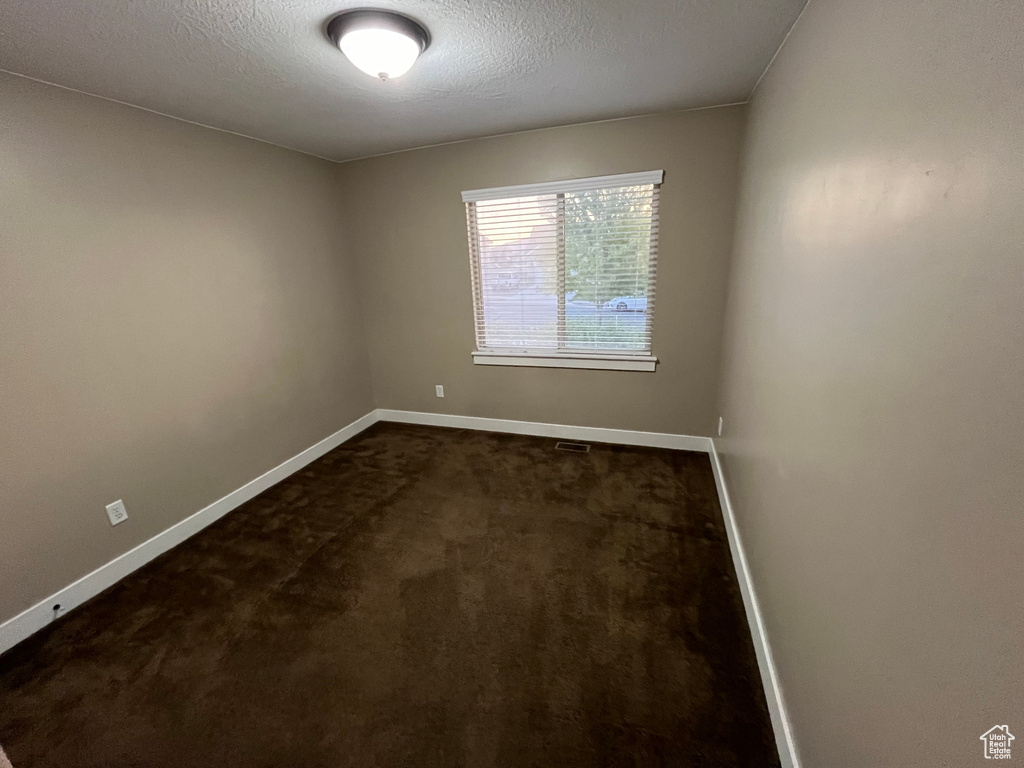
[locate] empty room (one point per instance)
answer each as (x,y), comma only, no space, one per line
(503,384)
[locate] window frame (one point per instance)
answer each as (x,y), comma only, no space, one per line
(560,357)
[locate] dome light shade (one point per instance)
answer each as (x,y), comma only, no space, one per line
(382,44)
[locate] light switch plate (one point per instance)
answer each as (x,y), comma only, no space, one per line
(116,512)
(439,390)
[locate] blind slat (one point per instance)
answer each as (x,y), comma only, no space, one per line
(569,270)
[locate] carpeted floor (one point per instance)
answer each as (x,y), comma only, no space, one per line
(417,597)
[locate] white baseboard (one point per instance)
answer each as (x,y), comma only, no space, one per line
(765,661)
(540,429)
(31,620)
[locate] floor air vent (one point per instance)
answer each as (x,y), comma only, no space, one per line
(576,447)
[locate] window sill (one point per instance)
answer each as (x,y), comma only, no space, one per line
(568,360)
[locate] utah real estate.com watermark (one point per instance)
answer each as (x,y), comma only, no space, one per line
(997,742)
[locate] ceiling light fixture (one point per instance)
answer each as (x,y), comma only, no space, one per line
(382,44)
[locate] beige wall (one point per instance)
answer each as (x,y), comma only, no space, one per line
(176,318)
(408,229)
(872,388)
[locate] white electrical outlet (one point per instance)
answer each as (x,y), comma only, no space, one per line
(719,426)
(439,389)
(116,512)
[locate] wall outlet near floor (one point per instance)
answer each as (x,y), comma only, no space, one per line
(439,390)
(719,426)
(116,512)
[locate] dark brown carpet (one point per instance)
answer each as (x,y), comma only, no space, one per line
(417,597)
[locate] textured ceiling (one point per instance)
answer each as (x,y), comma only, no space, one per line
(264,68)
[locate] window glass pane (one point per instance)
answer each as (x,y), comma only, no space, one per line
(607,263)
(569,272)
(519,271)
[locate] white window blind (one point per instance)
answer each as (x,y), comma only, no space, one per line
(565,270)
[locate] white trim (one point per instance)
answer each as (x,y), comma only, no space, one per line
(777,52)
(781,723)
(492,136)
(540,429)
(567,360)
(182,119)
(568,185)
(31,620)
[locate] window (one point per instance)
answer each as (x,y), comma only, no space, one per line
(563,272)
